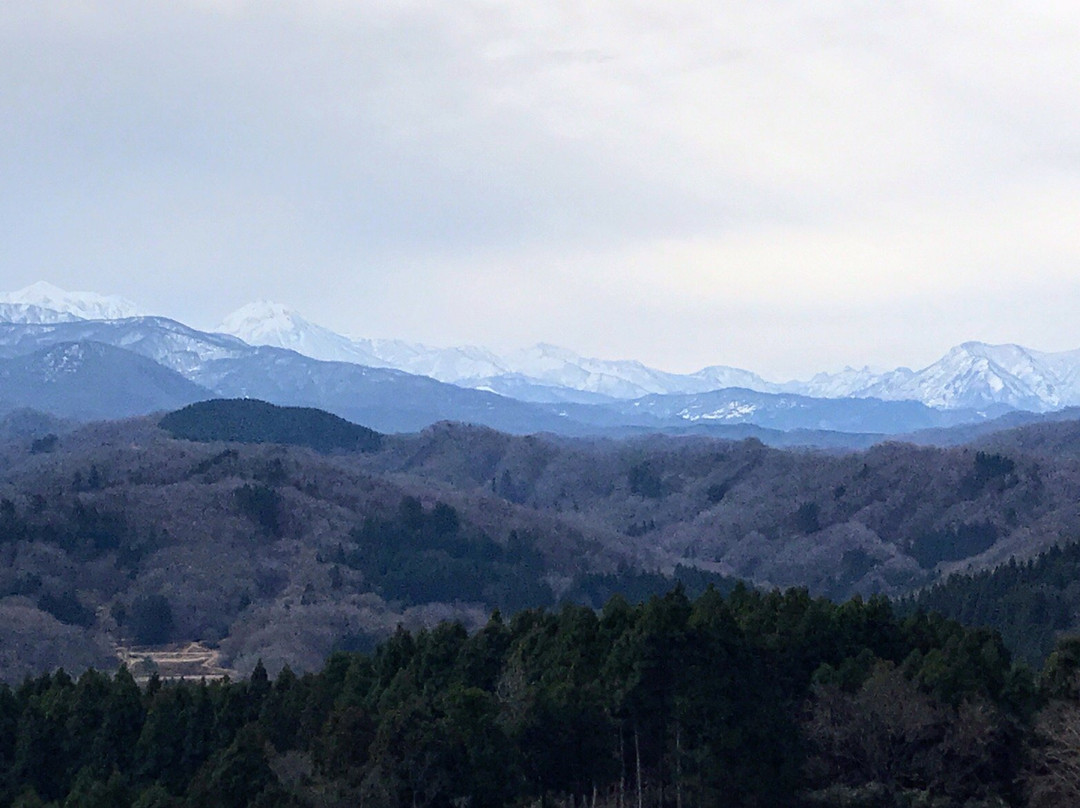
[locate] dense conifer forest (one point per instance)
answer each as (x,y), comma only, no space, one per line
(747,700)
(1030,602)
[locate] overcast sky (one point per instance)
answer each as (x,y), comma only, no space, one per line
(785,186)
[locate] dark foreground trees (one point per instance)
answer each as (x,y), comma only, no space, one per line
(750,700)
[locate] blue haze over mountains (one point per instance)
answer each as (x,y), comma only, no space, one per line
(85,356)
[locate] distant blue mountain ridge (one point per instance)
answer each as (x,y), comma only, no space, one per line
(60,362)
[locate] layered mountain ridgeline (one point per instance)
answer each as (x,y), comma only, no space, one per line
(109,368)
(118,533)
(395,386)
(178,365)
(91,380)
(889,519)
(284,553)
(752,700)
(974,376)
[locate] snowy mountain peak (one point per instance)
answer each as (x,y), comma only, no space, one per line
(981,350)
(267,323)
(716,377)
(78,305)
(263,319)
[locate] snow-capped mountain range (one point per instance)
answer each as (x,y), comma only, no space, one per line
(44,303)
(543,372)
(974,375)
(266,323)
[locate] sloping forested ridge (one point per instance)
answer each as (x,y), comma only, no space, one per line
(750,700)
(1030,602)
(117,534)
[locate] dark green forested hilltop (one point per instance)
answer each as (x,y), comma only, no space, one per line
(246,420)
(750,700)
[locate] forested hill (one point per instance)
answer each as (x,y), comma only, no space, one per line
(888,519)
(754,700)
(119,533)
(245,420)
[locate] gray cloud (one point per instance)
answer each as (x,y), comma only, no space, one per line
(568,171)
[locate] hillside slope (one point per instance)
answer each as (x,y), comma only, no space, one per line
(284,553)
(270,551)
(885,520)
(91,380)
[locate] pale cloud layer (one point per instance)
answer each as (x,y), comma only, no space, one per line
(784,186)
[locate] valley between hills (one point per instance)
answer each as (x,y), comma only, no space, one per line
(302,534)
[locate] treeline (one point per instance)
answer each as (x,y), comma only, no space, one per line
(750,700)
(1030,602)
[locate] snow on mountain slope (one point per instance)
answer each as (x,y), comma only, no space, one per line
(534,374)
(848,382)
(90,380)
(553,366)
(978,375)
(971,375)
(80,305)
(167,342)
(782,411)
(28,313)
(267,323)
(452,365)
(1065,368)
(549,367)
(275,325)
(717,377)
